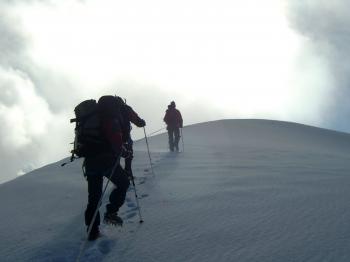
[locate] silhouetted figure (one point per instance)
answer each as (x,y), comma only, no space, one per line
(174,122)
(100,163)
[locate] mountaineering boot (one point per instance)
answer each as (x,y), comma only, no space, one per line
(94,234)
(113,219)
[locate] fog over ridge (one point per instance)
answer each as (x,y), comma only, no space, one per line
(210,76)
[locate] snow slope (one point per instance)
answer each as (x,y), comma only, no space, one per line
(243,190)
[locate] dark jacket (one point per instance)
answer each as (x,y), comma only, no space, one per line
(173,118)
(129,115)
(112,132)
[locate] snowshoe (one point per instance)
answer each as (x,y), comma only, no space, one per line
(113,219)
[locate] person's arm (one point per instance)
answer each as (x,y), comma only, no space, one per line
(180,119)
(135,119)
(166,117)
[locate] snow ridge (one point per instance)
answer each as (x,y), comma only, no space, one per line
(244,190)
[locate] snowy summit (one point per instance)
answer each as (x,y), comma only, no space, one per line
(241,190)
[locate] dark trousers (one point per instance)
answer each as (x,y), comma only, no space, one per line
(116,198)
(174,138)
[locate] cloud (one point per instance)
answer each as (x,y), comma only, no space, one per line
(12,41)
(225,60)
(38,96)
(325,26)
(26,117)
(31,134)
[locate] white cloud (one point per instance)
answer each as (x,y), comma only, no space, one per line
(324,26)
(242,50)
(23,113)
(223,59)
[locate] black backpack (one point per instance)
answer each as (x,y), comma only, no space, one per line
(89,140)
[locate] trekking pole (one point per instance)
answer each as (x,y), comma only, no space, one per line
(182,138)
(82,247)
(137,199)
(149,155)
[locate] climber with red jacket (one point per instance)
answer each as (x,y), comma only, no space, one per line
(105,162)
(174,122)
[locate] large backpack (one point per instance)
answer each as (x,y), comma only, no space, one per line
(89,139)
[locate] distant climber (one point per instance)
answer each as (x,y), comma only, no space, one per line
(174,122)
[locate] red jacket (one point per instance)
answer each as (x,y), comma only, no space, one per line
(112,131)
(173,118)
(96,165)
(133,117)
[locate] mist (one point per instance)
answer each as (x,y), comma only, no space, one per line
(324,27)
(223,60)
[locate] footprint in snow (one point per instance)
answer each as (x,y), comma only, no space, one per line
(131,204)
(105,246)
(144,195)
(131,210)
(131,215)
(142,182)
(128,200)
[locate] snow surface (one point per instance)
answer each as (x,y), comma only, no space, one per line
(243,190)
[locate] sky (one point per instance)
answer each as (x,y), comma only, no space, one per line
(273,59)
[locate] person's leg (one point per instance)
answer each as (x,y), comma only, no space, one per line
(177,138)
(128,161)
(95,184)
(171,139)
(117,196)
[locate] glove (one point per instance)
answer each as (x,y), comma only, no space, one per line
(142,123)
